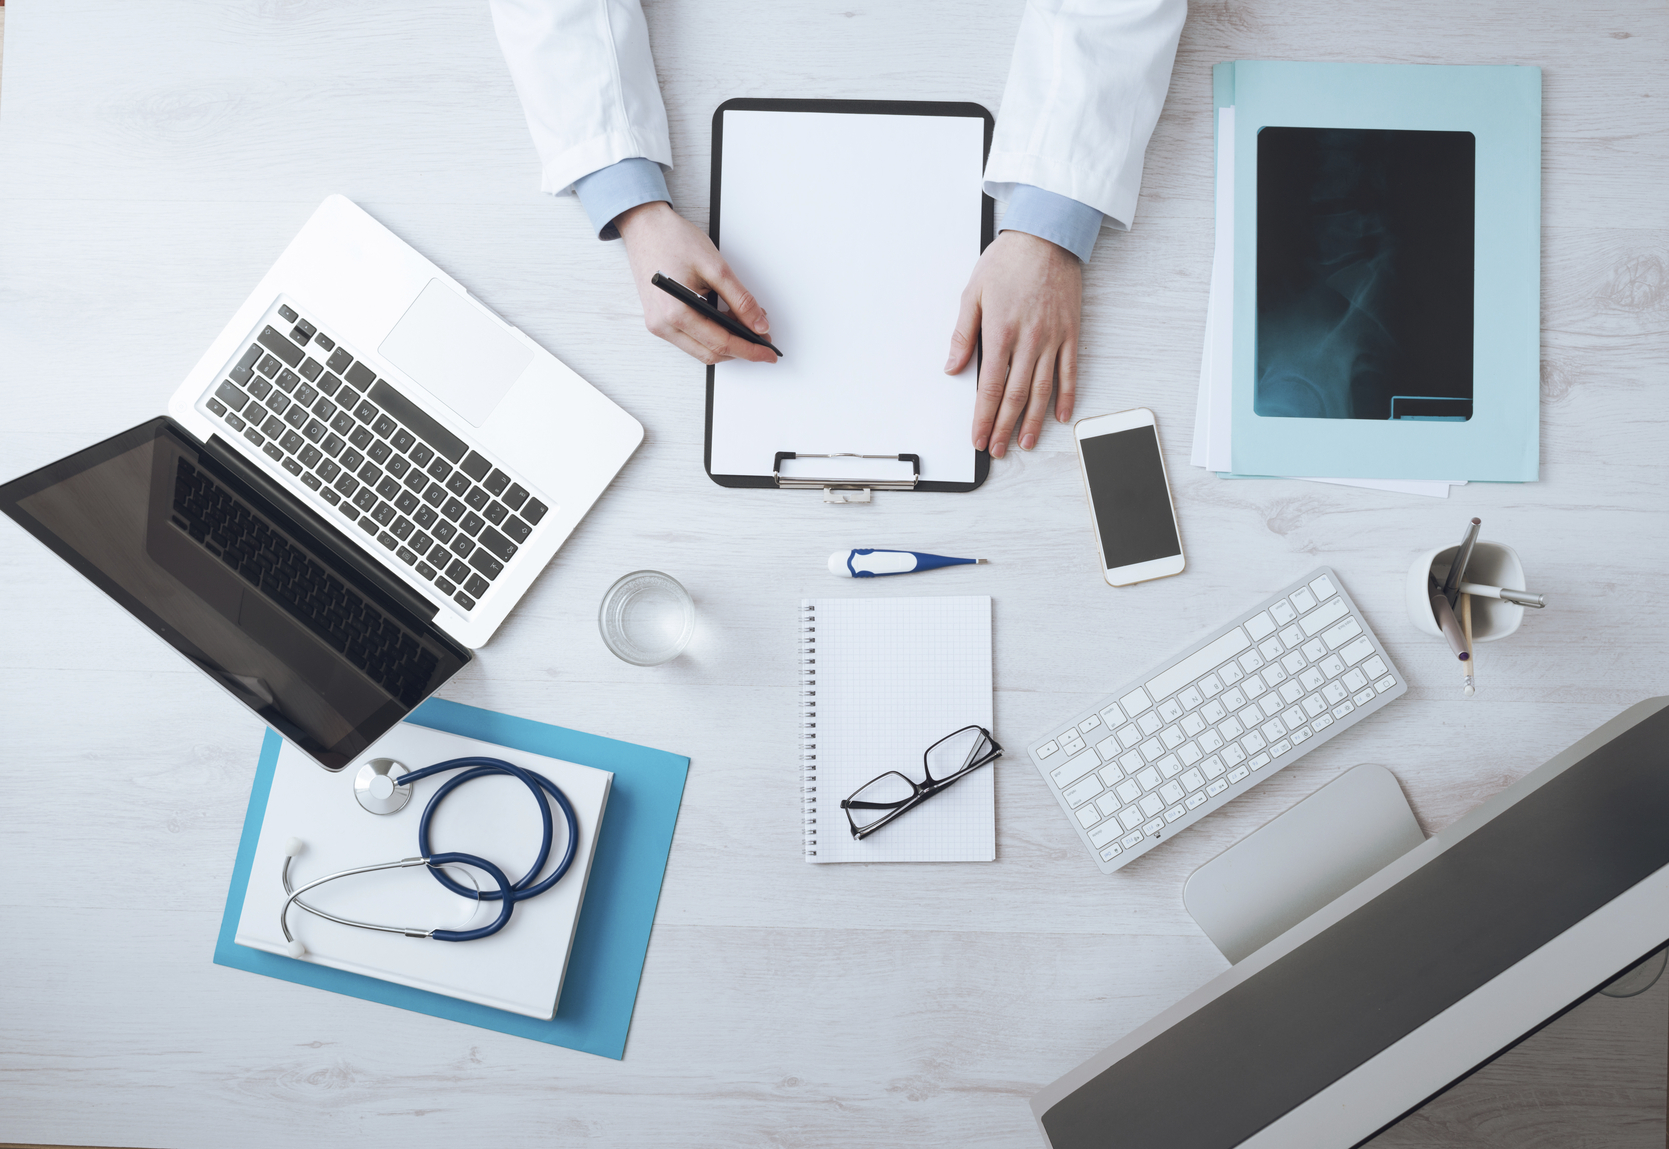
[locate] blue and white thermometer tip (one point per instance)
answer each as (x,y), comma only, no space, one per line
(866,562)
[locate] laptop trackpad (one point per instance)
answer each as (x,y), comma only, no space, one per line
(464,357)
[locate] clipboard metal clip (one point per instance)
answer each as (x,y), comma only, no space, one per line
(846,490)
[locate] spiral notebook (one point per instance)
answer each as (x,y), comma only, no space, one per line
(882,679)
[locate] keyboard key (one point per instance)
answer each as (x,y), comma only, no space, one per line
(328,383)
(1356,651)
(293,467)
(1079,792)
(1260,626)
(1323,588)
(303,329)
(379,451)
(310,456)
(216,406)
(535,510)
(389,488)
(1149,723)
(420,454)
(435,495)
(1170,766)
(1314,705)
(310,368)
(1195,801)
(1279,748)
(1213,712)
(1258,761)
(1303,600)
(1325,617)
(1282,612)
(235,423)
(1230,673)
(324,341)
(1332,666)
(333,498)
(360,376)
(1322,721)
(471,523)
(1374,667)
(245,366)
(425,516)
(1271,649)
(366,499)
(1063,775)
(1354,680)
(443,531)
(477,585)
(1172,736)
(315,431)
(1090,813)
(421,543)
(274,452)
(440,556)
(370,474)
(1210,741)
(456,570)
(1072,742)
(1150,805)
(297,416)
(339,361)
(506,550)
(1104,834)
(461,546)
(232,396)
(1190,753)
(403,440)
(406,556)
(1253,742)
(439,469)
(383,513)
(1048,748)
(1341,634)
(416,481)
(1364,697)
(287,380)
(459,483)
(293,442)
(1239,774)
(402,528)
(476,466)
(324,409)
(1217,787)
(426,570)
(478,498)
(464,600)
(279,346)
(515,497)
(406,501)
(1171,791)
(1291,690)
(1384,684)
(384,426)
(495,512)
(1250,661)
(347,484)
(1131,840)
(328,471)
(1273,729)
(487,565)
(1173,813)
(1292,638)
(388,541)
(496,482)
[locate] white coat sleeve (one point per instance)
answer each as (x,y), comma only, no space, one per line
(1084,91)
(587,84)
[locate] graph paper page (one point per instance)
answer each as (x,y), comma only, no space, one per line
(893,676)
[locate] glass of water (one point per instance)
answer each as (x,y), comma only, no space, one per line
(646,618)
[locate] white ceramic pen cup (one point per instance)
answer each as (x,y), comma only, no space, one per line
(1492,564)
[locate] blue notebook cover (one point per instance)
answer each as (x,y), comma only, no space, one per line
(1344,244)
(612,936)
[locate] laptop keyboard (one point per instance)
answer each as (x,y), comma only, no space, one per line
(239,537)
(1178,743)
(376,460)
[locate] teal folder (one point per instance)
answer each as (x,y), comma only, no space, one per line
(1501,107)
(612,936)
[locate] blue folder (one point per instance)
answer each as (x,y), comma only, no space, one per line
(1501,107)
(612,937)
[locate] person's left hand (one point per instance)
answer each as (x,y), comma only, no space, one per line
(1024,298)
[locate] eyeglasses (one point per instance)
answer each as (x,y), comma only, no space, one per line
(893,795)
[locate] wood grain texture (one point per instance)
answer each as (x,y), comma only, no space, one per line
(154,159)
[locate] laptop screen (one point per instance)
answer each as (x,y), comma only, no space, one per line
(265,602)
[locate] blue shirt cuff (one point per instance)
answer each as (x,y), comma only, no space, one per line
(619,187)
(1056,218)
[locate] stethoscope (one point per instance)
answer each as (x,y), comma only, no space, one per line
(383,786)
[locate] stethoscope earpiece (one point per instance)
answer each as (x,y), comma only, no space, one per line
(383,786)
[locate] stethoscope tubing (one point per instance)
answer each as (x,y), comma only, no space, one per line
(507,893)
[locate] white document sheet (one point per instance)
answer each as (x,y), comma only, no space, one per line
(1213,413)
(857,234)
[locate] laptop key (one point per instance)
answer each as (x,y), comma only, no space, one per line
(245,366)
(340,361)
(274,452)
(303,331)
(397,466)
(385,426)
(231,396)
(351,459)
(366,499)
(457,571)
(496,482)
(217,406)
(496,512)
(254,436)
(534,511)
(278,402)
(314,430)
(461,545)
(486,564)
(453,509)
(259,387)
(328,383)
(305,395)
(287,380)
(440,556)
(444,587)
(310,456)
(403,440)
(368,525)
(439,469)
(464,600)
(515,496)
(406,556)
(420,454)
(389,487)
(384,513)
(297,416)
(415,481)
(443,531)
(360,376)
(426,571)
(477,585)
(498,545)
(365,412)
(325,341)
(425,516)
(459,483)
(312,481)
(360,437)
(347,399)
(347,484)
(288,312)
(329,470)
(333,498)
(434,495)
(477,497)
(388,540)
(421,543)
(343,424)
(269,366)
(310,368)
(370,473)
(273,427)
(516,529)
(235,423)
(476,466)
(405,500)
(402,528)
(472,523)
(293,442)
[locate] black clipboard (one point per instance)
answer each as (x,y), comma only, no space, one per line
(982,459)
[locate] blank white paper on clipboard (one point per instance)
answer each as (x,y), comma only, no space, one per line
(857,232)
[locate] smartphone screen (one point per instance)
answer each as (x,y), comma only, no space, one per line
(1132,503)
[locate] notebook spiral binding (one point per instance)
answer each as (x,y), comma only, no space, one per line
(808,729)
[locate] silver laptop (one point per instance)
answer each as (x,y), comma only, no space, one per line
(350,492)
(369,384)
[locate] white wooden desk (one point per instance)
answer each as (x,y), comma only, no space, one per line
(155,158)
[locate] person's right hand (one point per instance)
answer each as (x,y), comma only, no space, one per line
(659,239)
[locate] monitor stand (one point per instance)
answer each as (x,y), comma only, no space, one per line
(1278,875)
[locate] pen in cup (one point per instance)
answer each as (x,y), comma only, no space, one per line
(1457,568)
(1447,622)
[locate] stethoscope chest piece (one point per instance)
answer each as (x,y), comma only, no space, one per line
(374,786)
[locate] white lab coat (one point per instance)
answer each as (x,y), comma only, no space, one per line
(1084,90)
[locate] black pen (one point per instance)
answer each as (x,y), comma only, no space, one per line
(723,318)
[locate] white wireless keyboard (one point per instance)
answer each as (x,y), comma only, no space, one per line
(1175,744)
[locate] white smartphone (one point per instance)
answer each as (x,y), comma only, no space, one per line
(1129,497)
